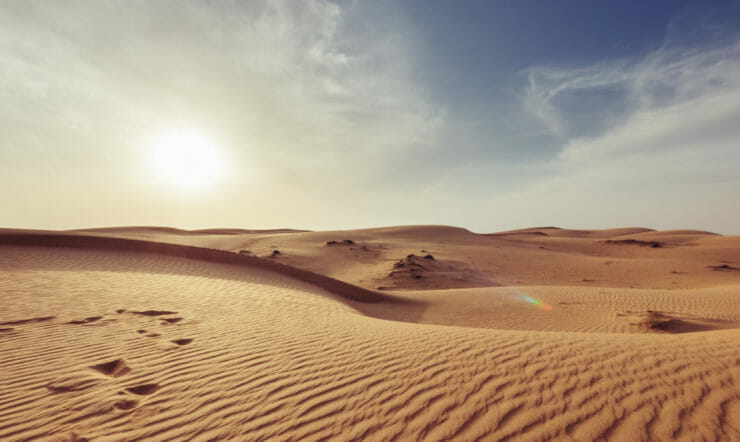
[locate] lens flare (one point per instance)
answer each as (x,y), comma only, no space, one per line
(538,303)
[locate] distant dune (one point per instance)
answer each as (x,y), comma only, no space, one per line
(174,231)
(394,333)
(558,232)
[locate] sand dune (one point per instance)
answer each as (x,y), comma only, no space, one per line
(155,230)
(466,259)
(566,233)
(113,336)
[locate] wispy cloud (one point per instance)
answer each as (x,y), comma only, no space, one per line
(666,83)
(284,80)
(301,95)
(306,98)
(669,126)
(322,111)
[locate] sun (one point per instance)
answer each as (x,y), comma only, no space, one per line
(186,159)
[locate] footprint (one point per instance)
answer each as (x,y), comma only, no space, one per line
(144,389)
(155,312)
(26,321)
(74,437)
(182,341)
(86,320)
(149,335)
(114,368)
(125,404)
(63,388)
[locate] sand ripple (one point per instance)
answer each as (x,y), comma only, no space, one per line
(244,352)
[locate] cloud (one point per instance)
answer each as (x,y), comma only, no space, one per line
(665,79)
(307,99)
(319,109)
(664,143)
(288,85)
(702,125)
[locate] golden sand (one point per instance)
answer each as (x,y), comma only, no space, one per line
(536,334)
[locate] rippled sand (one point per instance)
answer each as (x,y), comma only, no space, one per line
(521,336)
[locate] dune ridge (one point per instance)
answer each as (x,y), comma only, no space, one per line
(176,231)
(569,233)
(212,255)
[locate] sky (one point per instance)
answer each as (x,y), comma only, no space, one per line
(316,114)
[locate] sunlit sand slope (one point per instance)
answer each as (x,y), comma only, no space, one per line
(119,344)
(627,258)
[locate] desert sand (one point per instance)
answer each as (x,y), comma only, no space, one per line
(399,333)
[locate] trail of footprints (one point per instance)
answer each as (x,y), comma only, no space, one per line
(8,331)
(156,314)
(116,368)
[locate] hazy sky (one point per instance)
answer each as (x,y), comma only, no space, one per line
(488,115)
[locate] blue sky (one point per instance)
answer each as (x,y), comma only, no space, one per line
(326,115)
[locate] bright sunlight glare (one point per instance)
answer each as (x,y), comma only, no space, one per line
(186,159)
